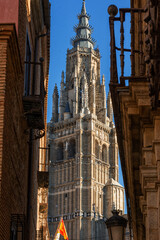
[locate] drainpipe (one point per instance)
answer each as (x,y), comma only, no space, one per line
(29,183)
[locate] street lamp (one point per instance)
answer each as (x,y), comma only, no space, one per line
(116,226)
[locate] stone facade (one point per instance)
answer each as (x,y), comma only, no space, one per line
(83,175)
(21,105)
(136,106)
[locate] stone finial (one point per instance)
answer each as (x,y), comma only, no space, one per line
(103,80)
(75,72)
(109,107)
(85,109)
(93,74)
(62,77)
(83,8)
(55,104)
(112,10)
(55,93)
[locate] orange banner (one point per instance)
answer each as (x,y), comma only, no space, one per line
(61,230)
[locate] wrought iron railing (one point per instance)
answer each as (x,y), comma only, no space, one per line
(34,102)
(143,59)
(137,68)
(136,50)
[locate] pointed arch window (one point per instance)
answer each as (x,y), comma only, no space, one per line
(96,149)
(17,227)
(104,153)
(71,148)
(60,155)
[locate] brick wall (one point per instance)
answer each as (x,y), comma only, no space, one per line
(3,60)
(18,146)
(14,151)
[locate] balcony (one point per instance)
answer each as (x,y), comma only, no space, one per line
(34,104)
(43,171)
(144,49)
(136,101)
(34,111)
(130,72)
(137,54)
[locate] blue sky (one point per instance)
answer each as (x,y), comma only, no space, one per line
(63,18)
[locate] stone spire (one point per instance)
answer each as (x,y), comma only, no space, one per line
(62,78)
(93,92)
(62,100)
(83,30)
(75,102)
(103,80)
(85,109)
(109,107)
(83,11)
(103,91)
(55,105)
(104,99)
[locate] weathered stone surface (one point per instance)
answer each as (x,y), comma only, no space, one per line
(18,146)
(83,179)
(137,109)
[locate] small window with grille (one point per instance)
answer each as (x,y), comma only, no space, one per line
(27,76)
(17,227)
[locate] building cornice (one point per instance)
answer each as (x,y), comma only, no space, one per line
(8,33)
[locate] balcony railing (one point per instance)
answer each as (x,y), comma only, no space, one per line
(43,171)
(34,104)
(144,47)
(137,62)
(144,59)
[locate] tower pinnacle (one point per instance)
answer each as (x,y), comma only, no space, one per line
(83,8)
(55,104)
(83,30)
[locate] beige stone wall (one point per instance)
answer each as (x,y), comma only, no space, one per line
(114,197)
(141,144)
(77,184)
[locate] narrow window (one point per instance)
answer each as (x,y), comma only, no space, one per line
(104,153)
(71,149)
(96,149)
(17,227)
(60,152)
(13,231)
(27,77)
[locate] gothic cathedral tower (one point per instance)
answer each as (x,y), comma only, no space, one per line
(84,152)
